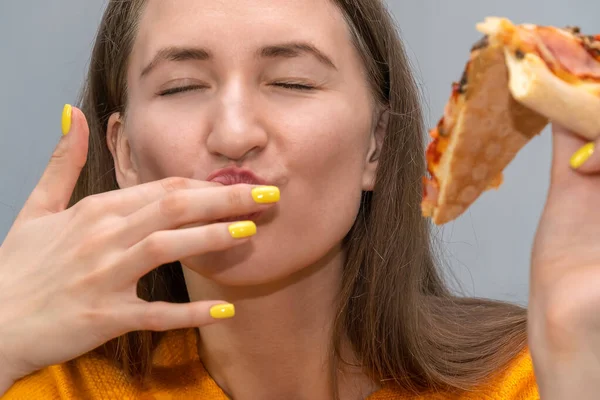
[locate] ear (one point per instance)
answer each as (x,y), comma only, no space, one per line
(376,142)
(125,167)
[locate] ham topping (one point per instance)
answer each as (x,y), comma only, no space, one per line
(571,55)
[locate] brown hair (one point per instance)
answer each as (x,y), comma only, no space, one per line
(405,325)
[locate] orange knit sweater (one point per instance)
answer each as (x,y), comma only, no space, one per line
(178,374)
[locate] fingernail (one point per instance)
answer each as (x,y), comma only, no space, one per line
(67,116)
(582,155)
(242,229)
(222,311)
(265,194)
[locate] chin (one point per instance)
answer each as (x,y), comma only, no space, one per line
(257,263)
(249,264)
(277,256)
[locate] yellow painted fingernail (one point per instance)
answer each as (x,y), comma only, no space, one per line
(242,229)
(67,116)
(582,155)
(222,311)
(265,194)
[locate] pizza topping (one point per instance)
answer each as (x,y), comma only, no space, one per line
(435,149)
(525,41)
(433,155)
(592,45)
(461,86)
(590,42)
(519,54)
(430,193)
(481,43)
(575,59)
(573,29)
(442,131)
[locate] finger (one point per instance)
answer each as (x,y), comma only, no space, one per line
(586,159)
(55,187)
(126,201)
(163,316)
(168,246)
(198,206)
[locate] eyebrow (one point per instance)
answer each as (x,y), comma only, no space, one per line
(177,54)
(284,50)
(296,49)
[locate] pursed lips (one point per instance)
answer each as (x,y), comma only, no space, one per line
(234,176)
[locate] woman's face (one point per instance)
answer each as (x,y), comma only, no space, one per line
(273,86)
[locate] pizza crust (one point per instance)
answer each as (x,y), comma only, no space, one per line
(490,129)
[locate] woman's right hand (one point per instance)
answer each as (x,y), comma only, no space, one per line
(69,276)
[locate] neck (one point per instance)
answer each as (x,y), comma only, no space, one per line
(278,344)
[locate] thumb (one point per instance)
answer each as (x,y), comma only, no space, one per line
(55,187)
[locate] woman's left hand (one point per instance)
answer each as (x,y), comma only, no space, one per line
(564,301)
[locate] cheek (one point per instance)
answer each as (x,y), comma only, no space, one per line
(326,162)
(162,144)
(328,149)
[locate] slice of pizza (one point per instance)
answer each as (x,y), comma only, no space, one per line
(507,95)
(481,131)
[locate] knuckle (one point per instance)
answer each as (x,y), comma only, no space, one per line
(89,206)
(560,314)
(194,316)
(59,154)
(175,183)
(557,328)
(173,205)
(155,247)
(99,240)
(151,318)
(85,284)
(93,315)
(207,211)
(235,197)
(96,309)
(104,319)
(553,314)
(87,247)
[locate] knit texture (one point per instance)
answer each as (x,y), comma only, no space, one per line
(178,374)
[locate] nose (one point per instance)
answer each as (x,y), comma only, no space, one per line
(236,132)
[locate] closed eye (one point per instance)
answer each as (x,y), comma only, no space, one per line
(294,86)
(181,89)
(189,88)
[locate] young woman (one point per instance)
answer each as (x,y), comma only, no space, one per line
(233,212)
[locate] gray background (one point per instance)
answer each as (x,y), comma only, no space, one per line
(45,47)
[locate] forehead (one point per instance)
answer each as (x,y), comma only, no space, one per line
(245,24)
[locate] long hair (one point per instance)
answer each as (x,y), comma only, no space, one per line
(404,324)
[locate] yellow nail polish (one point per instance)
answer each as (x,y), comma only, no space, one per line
(222,311)
(266,194)
(242,229)
(67,115)
(582,155)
